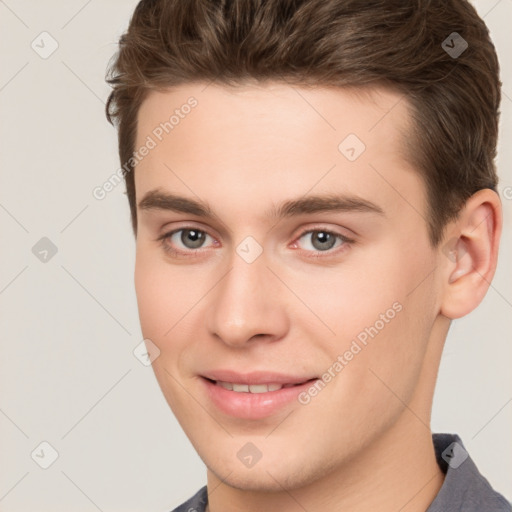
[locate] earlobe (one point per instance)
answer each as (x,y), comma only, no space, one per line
(471,253)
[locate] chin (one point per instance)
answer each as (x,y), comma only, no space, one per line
(260,481)
(269,477)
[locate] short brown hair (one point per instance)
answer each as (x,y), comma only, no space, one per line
(453,99)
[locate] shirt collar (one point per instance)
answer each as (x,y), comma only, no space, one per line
(464,488)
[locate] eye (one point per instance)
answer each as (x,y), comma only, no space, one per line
(189,241)
(184,240)
(321,240)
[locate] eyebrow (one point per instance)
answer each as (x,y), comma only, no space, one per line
(158,200)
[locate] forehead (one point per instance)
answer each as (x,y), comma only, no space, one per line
(363,110)
(277,138)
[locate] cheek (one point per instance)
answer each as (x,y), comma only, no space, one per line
(160,299)
(150,298)
(351,297)
(168,299)
(382,320)
(161,315)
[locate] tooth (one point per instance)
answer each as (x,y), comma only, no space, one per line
(258,388)
(251,388)
(241,387)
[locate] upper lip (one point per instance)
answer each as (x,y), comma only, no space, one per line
(254,377)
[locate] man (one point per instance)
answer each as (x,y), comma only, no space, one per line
(313,194)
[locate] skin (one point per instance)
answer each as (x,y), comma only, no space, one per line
(364,442)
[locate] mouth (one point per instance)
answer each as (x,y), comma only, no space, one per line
(255,388)
(255,396)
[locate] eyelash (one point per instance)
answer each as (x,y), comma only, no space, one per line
(197,252)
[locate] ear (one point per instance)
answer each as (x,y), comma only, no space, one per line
(469,253)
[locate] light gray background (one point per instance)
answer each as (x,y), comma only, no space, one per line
(69,326)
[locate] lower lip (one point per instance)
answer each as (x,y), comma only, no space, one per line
(252,406)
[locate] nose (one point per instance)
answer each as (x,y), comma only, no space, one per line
(247,305)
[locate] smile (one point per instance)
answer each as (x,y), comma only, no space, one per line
(258,396)
(253,388)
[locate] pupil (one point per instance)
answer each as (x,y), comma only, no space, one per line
(323,240)
(192,238)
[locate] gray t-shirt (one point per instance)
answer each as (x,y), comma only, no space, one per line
(464,489)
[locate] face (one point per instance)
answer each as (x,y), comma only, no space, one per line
(284,272)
